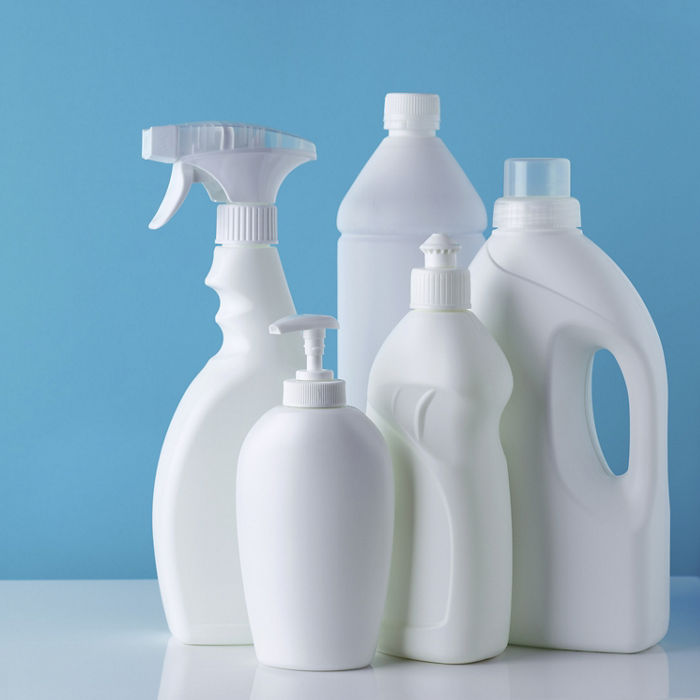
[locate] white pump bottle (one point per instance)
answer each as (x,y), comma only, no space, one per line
(590,549)
(411,187)
(437,390)
(315,515)
(194,519)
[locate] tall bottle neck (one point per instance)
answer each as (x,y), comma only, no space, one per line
(412,133)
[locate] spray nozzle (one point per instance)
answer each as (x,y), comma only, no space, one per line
(313,328)
(238,164)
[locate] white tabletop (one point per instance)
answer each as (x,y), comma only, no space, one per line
(108,639)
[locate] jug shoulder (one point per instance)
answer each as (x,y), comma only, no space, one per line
(568,265)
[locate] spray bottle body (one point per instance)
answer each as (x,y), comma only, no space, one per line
(194,518)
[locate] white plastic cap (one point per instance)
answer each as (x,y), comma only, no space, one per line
(246,223)
(313,387)
(440,285)
(241,166)
(412,110)
(537,177)
(537,195)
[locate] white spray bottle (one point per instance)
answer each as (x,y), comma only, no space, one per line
(590,549)
(437,390)
(194,517)
(315,516)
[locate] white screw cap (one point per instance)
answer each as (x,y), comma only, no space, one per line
(412,110)
(440,285)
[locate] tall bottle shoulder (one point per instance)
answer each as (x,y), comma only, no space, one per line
(411,185)
(566,265)
(449,350)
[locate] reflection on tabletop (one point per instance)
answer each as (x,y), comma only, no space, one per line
(224,673)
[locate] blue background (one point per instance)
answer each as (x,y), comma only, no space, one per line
(105,322)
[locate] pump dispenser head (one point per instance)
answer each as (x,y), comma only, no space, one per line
(313,387)
(440,285)
(240,165)
(536,195)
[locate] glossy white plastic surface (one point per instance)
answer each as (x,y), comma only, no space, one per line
(236,163)
(81,640)
(436,391)
(410,188)
(194,511)
(315,511)
(591,549)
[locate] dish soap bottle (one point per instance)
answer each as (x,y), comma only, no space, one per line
(315,514)
(194,519)
(591,549)
(437,390)
(409,188)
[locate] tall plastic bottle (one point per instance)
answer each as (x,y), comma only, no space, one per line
(591,549)
(436,391)
(194,517)
(315,516)
(411,187)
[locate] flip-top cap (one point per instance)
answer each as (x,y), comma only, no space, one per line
(440,285)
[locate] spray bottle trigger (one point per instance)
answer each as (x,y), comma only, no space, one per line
(181,180)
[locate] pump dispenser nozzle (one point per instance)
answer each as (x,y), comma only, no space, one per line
(313,387)
(240,165)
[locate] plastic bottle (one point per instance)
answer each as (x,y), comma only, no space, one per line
(411,187)
(591,549)
(315,513)
(194,520)
(436,391)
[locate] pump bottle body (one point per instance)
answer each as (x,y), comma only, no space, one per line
(315,501)
(436,391)
(591,549)
(194,520)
